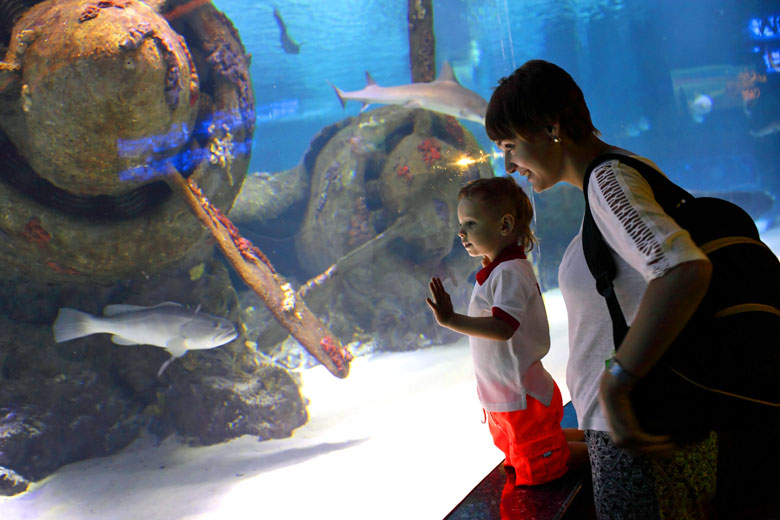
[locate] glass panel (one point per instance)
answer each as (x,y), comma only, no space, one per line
(217,156)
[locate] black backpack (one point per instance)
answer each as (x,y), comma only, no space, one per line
(723,370)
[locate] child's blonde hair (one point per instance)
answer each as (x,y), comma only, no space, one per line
(504,194)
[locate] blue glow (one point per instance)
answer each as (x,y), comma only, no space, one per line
(155,147)
(177,136)
(765,28)
(772,60)
(182,161)
(277,109)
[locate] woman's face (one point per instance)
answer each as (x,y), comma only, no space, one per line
(536,158)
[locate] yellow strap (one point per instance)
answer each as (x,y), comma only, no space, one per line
(715,390)
(714,245)
(746,307)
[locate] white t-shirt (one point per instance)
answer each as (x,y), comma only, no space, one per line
(646,243)
(507,371)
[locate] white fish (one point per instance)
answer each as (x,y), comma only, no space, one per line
(168,325)
(444,95)
(700,107)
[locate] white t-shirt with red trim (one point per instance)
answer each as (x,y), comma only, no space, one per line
(507,371)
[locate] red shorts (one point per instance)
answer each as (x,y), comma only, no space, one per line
(532,440)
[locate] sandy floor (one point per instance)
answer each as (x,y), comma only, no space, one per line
(401,437)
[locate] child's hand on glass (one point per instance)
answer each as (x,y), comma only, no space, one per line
(441,305)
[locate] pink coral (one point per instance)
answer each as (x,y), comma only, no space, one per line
(431,151)
(405,173)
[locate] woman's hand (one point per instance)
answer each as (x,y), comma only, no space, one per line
(441,305)
(624,427)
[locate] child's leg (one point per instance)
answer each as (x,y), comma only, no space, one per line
(532,440)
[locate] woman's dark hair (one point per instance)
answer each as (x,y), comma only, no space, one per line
(533,97)
(504,196)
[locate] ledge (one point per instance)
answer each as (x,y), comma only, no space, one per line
(497,498)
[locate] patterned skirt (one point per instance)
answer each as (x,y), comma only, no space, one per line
(638,488)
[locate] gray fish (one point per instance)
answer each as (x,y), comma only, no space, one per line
(288,44)
(444,95)
(168,325)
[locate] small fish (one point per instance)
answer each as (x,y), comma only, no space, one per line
(771,128)
(700,107)
(288,44)
(168,325)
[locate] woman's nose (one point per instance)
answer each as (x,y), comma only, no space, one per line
(508,165)
(461,233)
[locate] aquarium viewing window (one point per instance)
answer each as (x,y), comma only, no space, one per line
(294,168)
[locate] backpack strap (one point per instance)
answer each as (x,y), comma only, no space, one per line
(597,253)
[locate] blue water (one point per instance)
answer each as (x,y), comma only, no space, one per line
(622,53)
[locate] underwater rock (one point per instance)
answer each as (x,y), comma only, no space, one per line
(11,483)
(97,100)
(61,403)
(382,211)
(267,405)
(55,409)
(270,204)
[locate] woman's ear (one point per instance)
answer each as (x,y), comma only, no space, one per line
(554,131)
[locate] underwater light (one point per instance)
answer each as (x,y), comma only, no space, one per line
(765,28)
(466,160)
(772,60)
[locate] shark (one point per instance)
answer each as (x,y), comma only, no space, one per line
(444,95)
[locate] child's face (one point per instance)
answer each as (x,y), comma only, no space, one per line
(482,232)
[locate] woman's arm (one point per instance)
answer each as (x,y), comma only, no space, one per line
(668,303)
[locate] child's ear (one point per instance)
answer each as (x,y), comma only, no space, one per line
(507,223)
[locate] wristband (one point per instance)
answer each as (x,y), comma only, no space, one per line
(623,376)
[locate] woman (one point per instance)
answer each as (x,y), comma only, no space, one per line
(539,118)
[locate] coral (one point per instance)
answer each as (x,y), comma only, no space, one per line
(136,36)
(57,268)
(228,63)
(221,148)
(92,10)
(34,232)
(341,355)
(359,230)
(454,129)
(431,150)
(405,173)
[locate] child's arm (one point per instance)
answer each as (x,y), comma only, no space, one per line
(487,327)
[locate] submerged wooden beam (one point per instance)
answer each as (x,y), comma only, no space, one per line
(422,44)
(258,274)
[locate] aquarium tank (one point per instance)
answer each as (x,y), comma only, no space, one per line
(220,218)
